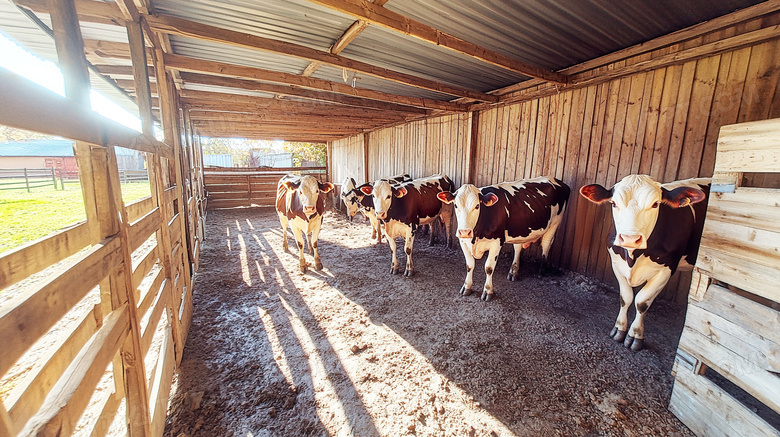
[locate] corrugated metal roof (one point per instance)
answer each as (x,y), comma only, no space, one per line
(47,148)
(19,28)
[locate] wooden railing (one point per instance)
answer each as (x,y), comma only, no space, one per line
(84,310)
(237,187)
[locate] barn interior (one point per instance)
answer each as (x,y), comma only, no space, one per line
(586,91)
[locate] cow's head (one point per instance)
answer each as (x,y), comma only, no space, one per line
(309,189)
(383,194)
(468,201)
(350,196)
(635,203)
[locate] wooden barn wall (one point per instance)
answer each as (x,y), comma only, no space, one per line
(422,148)
(348,159)
(663,122)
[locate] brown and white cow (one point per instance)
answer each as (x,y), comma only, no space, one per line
(355,200)
(519,213)
(298,202)
(656,230)
(404,208)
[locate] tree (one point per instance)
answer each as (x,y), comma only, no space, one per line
(316,152)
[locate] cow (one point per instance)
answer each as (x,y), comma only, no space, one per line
(519,213)
(298,202)
(404,208)
(355,201)
(656,229)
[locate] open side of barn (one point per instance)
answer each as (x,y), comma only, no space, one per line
(95,318)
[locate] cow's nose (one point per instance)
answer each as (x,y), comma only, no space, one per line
(309,209)
(465,233)
(381,215)
(629,240)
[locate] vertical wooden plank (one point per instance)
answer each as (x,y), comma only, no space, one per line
(530,146)
(564,130)
(653,111)
(473,146)
(639,148)
(702,94)
(70,51)
(680,120)
(366,150)
(540,142)
(570,163)
(665,121)
(760,82)
(499,154)
(512,142)
(633,117)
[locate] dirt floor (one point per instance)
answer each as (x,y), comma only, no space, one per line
(353,350)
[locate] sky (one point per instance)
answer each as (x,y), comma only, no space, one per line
(46,73)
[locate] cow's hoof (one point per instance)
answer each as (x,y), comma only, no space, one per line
(304,268)
(408,272)
(465,291)
(512,277)
(318,266)
(487,297)
(617,334)
(393,271)
(635,344)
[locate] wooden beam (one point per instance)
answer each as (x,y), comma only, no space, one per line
(120,70)
(182,27)
(183,63)
(90,11)
(29,106)
(381,16)
(474,139)
(341,43)
(294,91)
(130,86)
(129,10)
(70,52)
(270,116)
(365,156)
(143,89)
(110,49)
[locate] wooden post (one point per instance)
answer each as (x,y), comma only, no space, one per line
(330,162)
(54,178)
(365,157)
(473,147)
(26,180)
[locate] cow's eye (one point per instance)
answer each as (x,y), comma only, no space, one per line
(614,205)
(655,205)
(388,197)
(477,207)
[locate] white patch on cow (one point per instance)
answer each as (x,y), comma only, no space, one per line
(309,192)
(350,199)
(528,205)
(541,193)
(383,193)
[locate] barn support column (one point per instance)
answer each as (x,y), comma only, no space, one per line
(471,178)
(365,157)
(106,216)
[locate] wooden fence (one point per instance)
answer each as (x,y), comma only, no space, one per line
(243,187)
(734,303)
(95,316)
(656,113)
(28,178)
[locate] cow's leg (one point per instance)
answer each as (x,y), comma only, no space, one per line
(547,241)
(376,231)
(466,288)
(645,298)
(490,267)
(618,332)
(446,218)
(300,238)
(514,271)
(285,222)
(408,246)
(394,263)
(315,235)
(432,238)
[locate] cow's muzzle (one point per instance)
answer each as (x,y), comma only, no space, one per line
(465,233)
(631,241)
(381,215)
(309,210)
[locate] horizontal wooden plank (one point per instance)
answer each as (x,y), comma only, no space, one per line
(742,311)
(143,264)
(142,229)
(24,319)
(214,190)
(35,256)
(169,195)
(722,264)
(709,411)
(755,207)
(148,294)
(761,384)
(160,303)
(227,196)
(28,397)
(139,208)
(29,106)
(749,147)
(746,242)
(68,399)
(750,345)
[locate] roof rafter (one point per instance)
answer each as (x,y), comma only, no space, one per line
(381,16)
(183,63)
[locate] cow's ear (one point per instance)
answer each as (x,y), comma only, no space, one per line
(682,196)
(291,185)
(366,189)
(399,192)
(596,193)
(446,197)
(489,199)
(325,187)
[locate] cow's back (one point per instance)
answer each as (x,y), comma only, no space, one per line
(420,200)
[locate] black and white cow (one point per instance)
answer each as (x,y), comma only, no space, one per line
(656,230)
(298,202)
(404,208)
(355,200)
(519,213)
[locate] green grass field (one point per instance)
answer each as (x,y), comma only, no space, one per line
(28,216)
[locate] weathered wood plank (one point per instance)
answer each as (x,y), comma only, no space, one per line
(50,300)
(749,147)
(139,208)
(143,228)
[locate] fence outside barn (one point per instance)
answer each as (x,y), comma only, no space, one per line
(244,187)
